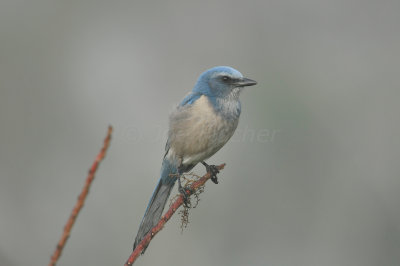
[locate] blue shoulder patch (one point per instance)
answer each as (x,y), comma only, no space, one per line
(191,98)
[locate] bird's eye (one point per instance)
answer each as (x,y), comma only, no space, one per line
(225,78)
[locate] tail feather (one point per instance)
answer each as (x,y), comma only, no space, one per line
(157,202)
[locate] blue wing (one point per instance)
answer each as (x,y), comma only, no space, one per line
(190,98)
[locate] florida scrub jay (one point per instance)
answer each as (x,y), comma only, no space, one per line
(199,126)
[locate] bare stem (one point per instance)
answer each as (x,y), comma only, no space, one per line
(81,200)
(172,209)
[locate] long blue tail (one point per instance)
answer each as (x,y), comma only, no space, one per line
(158,200)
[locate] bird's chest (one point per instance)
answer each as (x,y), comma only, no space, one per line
(211,130)
(199,131)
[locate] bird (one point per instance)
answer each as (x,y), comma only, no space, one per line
(199,126)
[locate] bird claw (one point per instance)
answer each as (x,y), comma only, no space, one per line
(213,170)
(214,179)
(185,193)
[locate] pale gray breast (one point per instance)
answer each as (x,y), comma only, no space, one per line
(197,132)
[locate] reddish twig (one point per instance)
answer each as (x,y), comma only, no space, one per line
(81,200)
(172,209)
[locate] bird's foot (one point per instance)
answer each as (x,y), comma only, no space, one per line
(186,192)
(186,197)
(213,170)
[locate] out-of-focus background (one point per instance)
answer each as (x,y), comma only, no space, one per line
(312,175)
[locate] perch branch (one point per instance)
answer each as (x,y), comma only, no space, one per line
(81,200)
(172,209)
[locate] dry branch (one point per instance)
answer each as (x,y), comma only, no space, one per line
(172,209)
(81,200)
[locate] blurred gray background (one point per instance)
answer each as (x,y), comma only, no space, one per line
(312,175)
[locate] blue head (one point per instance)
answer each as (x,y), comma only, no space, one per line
(222,81)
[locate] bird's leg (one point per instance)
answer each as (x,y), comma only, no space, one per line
(213,170)
(183,191)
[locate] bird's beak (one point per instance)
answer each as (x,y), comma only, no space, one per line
(245,82)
